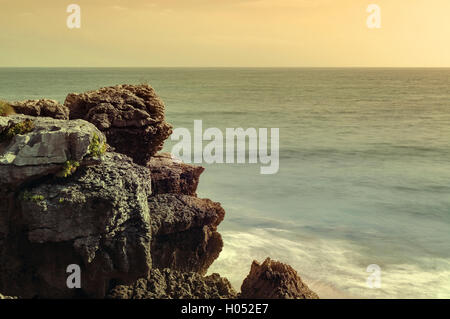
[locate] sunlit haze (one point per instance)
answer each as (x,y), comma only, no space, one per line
(316,33)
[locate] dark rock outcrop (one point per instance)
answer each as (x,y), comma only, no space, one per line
(98,218)
(131,117)
(31,149)
(274,280)
(42,107)
(132,222)
(172,284)
(184,232)
(171,175)
(101,216)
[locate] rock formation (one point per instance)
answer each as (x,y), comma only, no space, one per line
(96,218)
(69,201)
(171,175)
(33,147)
(131,117)
(103,218)
(184,232)
(42,107)
(130,219)
(274,280)
(172,284)
(31,150)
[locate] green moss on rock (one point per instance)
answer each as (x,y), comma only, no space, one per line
(23,127)
(27,196)
(97,148)
(68,169)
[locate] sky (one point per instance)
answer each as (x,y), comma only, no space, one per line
(225,33)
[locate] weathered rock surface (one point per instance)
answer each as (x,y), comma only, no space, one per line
(185,233)
(34,150)
(42,107)
(184,230)
(171,175)
(172,284)
(102,215)
(98,218)
(131,117)
(42,151)
(103,219)
(274,280)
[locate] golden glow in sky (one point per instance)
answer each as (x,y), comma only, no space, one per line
(316,33)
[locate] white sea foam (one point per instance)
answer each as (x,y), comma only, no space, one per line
(333,268)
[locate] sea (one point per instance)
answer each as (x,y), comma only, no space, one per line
(360,206)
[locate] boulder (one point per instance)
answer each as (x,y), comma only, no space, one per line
(34,147)
(42,107)
(171,175)
(97,218)
(184,232)
(131,117)
(274,280)
(172,284)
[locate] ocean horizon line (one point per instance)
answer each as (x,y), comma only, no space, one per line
(223,67)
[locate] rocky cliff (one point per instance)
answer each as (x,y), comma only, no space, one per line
(274,280)
(81,184)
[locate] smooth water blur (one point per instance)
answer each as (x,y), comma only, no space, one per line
(364,167)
